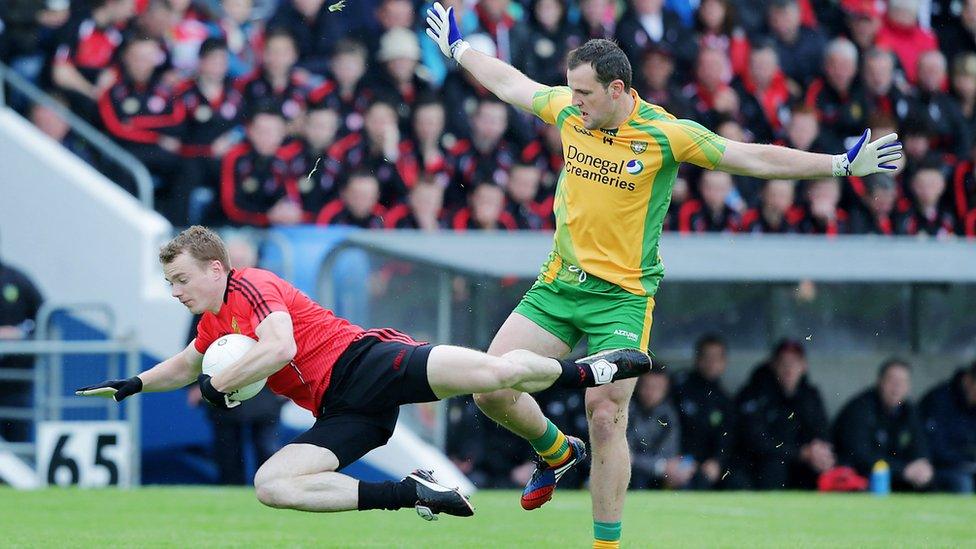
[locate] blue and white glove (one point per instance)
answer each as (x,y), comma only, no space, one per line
(867,157)
(442,28)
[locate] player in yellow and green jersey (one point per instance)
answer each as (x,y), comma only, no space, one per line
(621,157)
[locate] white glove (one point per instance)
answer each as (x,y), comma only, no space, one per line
(867,157)
(443,29)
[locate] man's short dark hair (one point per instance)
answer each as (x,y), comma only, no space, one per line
(892,363)
(706,340)
(212,44)
(264,105)
(607,59)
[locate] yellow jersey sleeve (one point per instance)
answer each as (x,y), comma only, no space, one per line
(692,142)
(547,103)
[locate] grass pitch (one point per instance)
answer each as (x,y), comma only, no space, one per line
(211,517)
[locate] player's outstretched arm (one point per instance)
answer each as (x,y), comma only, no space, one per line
(773,162)
(504,80)
(275,348)
(177,371)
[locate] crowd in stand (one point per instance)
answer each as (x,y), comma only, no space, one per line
(306,111)
(687,432)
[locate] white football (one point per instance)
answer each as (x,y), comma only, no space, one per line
(226,351)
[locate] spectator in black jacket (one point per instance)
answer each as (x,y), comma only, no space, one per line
(705,411)
(781,425)
(647,23)
(880,424)
(949,415)
(314,29)
(654,434)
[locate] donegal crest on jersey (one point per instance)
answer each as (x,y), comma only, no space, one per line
(615,187)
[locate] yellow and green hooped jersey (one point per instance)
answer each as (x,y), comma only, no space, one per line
(615,187)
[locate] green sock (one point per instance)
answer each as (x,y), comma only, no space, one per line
(606,531)
(552,445)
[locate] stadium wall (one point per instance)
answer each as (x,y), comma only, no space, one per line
(82,238)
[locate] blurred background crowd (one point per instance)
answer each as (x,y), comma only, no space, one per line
(258,113)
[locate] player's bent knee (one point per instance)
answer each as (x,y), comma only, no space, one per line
(606,419)
(272,493)
(496,400)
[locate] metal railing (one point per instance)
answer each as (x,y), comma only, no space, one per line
(105,146)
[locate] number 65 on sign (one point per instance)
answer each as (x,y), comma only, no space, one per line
(87,454)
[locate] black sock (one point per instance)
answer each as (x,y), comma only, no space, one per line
(387,495)
(575,375)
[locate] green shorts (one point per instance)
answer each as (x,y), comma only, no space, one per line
(569,304)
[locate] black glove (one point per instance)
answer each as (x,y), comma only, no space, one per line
(214,397)
(118,389)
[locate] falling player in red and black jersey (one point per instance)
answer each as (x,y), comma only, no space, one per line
(353,380)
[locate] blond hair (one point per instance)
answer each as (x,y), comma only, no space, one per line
(201,243)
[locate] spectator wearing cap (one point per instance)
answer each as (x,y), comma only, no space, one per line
(257,187)
(645,23)
(711,213)
(710,95)
(879,216)
(654,436)
(715,23)
(928,216)
(948,124)
(655,81)
(487,156)
(705,411)
(314,31)
(902,34)
(949,416)
(958,35)
(357,205)
(278,78)
(765,93)
(862,21)
(882,424)
(346,91)
(781,425)
(485,210)
(800,47)
(881,93)
(823,214)
(776,213)
(839,104)
(551,36)
(398,81)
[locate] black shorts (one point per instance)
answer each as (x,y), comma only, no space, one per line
(380,370)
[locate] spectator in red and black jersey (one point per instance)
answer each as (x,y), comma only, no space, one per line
(256,185)
(927,215)
(776,213)
(840,105)
(313,28)
(424,208)
(377,150)
(711,213)
(484,157)
(963,190)
(546,153)
(318,135)
(522,190)
(141,114)
(716,26)
(211,126)
(655,81)
(917,134)
(950,128)
(425,151)
(880,215)
(823,214)
(86,50)
(347,92)
(881,93)
(710,95)
(357,205)
(189,27)
(396,80)
(764,93)
(485,210)
(551,36)
(800,47)
(278,79)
